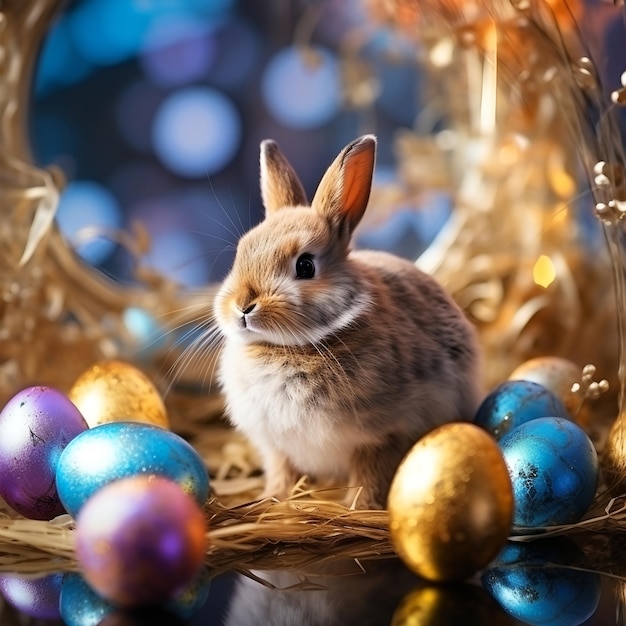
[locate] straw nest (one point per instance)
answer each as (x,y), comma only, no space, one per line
(315,524)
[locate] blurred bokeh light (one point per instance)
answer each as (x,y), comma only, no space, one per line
(196,132)
(302,88)
(177,51)
(161,106)
(87,214)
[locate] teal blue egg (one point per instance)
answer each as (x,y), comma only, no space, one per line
(116,450)
(514,403)
(528,585)
(553,467)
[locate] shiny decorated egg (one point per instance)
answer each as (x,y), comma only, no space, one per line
(525,581)
(116,391)
(35,427)
(36,597)
(140,540)
(553,467)
(115,450)
(557,375)
(450,503)
(515,402)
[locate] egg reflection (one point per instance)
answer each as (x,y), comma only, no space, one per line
(530,585)
(80,605)
(464,603)
(37,597)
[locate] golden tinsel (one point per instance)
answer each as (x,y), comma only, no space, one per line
(58,315)
(515,88)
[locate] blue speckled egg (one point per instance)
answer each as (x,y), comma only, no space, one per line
(553,467)
(119,449)
(535,594)
(514,403)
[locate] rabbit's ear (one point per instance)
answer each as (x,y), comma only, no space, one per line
(344,190)
(280,185)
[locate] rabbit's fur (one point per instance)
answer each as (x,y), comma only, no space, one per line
(336,374)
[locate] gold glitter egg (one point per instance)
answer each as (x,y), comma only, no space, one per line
(116,391)
(451,503)
(557,375)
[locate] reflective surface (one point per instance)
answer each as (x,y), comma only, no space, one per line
(547,582)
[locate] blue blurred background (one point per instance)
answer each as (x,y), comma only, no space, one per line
(154,109)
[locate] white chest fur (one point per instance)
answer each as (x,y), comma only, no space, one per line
(276,408)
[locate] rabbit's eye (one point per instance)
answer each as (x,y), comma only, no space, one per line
(305,267)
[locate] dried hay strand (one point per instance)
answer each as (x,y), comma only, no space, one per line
(310,527)
(302,529)
(607,514)
(290,534)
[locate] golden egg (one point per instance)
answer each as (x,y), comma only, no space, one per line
(451,503)
(557,375)
(116,391)
(449,605)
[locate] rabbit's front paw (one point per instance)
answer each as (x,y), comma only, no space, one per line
(280,477)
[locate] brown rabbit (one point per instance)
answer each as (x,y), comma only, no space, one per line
(335,362)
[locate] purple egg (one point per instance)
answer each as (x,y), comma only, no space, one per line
(140,540)
(35,426)
(37,597)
